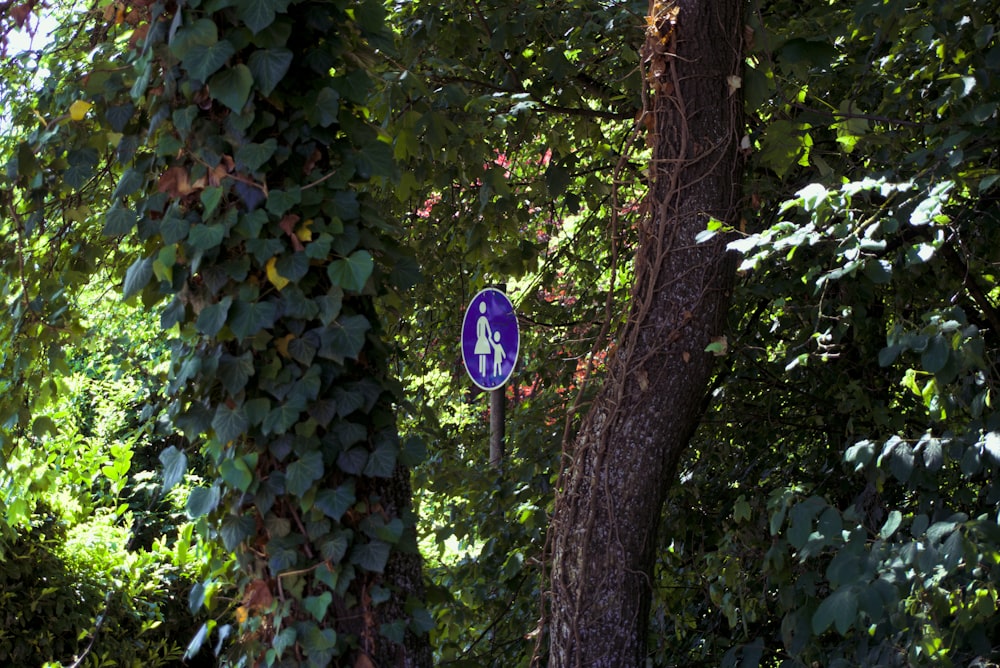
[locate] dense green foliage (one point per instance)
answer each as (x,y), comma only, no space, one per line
(304,195)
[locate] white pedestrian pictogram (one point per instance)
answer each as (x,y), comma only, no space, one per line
(499,354)
(483,334)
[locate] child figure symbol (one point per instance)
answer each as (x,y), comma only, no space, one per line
(499,354)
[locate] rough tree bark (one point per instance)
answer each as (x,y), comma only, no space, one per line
(625,454)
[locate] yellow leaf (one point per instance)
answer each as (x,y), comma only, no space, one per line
(79,109)
(304,233)
(276,279)
(282,344)
(241,615)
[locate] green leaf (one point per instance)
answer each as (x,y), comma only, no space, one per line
(269,67)
(213,317)
(353,461)
(302,473)
(235,530)
(839,609)
(317,605)
(900,458)
(325,109)
(236,473)
(234,372)
(318,644)
(202,32)
(205,237)
(201,501)
(375,159)
(251,156)
(259,14)
(229,423)
(280,201)
(232,87)
(248,318)
(203,60)
(118,221)
(935,356)
(174,466)
(282,417)
(334,549)
(344,338)
(382,460)
(371,556)
(891,524)
(330,305)
(137,277)
(293,266)
(131,181)
(335,502)
(352,272)
(118,116)
(174,228)
(210,198)
(414,451)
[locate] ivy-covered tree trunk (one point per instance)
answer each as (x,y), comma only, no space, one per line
(625,454)
(259,146)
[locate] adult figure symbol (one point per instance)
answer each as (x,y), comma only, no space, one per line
(484,333)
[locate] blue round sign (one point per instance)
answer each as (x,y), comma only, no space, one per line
(490,339)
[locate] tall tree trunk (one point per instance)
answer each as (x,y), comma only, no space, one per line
(626,452)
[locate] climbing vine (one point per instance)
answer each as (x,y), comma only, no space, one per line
(246,193)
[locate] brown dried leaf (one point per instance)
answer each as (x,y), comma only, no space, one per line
(175,182)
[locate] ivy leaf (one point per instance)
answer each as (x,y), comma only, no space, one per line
(352,272)
(382,460)
(317,605)
(118,116)
(248,318)
(174,466)
(352,462)
(213,317)
(201,501)
(282,417)
(293,266)
(210,198)
(204,237)
(202,32)
(326,108)
(335,502)
(236,473)
(269,67)
(259,14)
(371,556)
(234,372)
(252,155)
(302,349)
(118,221)
(302,473)
(130,182)
(137,277)
(229,423)
(344,338)
(334,550)
(235,530)
(203,60)
(232,87)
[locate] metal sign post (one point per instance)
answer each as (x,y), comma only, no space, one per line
(491,341)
